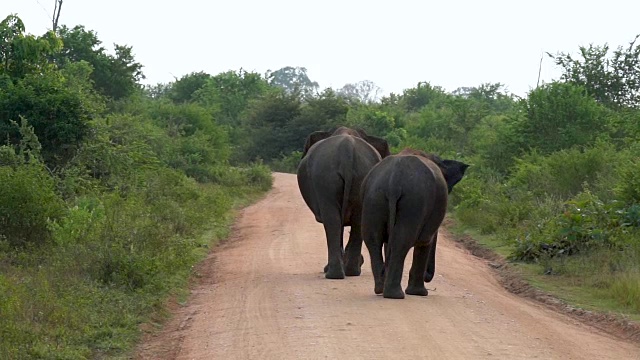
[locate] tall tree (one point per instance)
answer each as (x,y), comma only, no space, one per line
(115,76)
(365,91)
(415,98)
(292,79)
(21,53)
(182,90)
(612,80)
(230,92)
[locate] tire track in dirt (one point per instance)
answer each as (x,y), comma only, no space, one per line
(262,295)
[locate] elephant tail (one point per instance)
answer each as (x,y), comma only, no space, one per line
(393,207)
(347,169)
(348,181)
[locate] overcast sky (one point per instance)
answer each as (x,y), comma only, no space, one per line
(395,44)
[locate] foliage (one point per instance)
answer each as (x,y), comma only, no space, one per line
(27,203)
(560,115)
(105,210)
(613,81)
(586,223)
(20,53)
(423,94)
(267,125)
(292,80)
(230,93)
(114,76)
(287,163)
(371,120)
(628,188)
(365,91)
(59,114)
(563,174)
(182,90)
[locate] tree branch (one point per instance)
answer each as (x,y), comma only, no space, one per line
(56,14)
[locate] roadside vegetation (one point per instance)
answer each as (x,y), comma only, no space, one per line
(111,191)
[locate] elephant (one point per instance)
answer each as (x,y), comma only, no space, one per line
(330,173)
(404,201)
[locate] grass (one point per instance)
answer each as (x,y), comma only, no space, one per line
(577,292)
(602,281)
(89,297)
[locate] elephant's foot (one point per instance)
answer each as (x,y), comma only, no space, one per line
(354,270)
(393,293)
(419,290)
(350,271)
(378,288)
(334,272)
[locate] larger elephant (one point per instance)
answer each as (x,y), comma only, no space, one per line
(404,202)
(330,174)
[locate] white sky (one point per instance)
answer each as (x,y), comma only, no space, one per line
(395,44)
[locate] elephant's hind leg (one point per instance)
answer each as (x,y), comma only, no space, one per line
(353,251)
(373,239)
(400,243)
(418,267)
(334,232)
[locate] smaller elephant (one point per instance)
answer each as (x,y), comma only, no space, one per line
(404,202)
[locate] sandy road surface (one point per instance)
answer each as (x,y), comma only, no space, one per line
(262,295)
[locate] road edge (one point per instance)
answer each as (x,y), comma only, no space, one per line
(173,317)
(509,277)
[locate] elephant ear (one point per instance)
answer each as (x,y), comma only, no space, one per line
(379,144)
(313,138)
(453,171)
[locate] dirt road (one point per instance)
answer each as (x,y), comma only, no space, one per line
(262,295)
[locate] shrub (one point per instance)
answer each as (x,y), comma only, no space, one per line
(564,173)
(287,163)
(259,176)
(628,188)
(28,203)
(586,224)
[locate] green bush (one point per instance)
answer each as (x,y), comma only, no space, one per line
(259,175)
(559,116)
(628,188)
(287,163)
(28,203)
(59,114)
(564,173)
(586,224)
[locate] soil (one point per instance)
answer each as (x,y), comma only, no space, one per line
(262,295)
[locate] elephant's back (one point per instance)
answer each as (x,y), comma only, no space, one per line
(341,152)
(409,173)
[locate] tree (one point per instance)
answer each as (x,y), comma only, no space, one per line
(559,116)
(415,98)
(182,90)
(612,80)
(292,79)
(322,112)
(52,104)
(229,93)
(493,97)
(115,76)
(364,91)
(21,54)
(268,125)
(56,14)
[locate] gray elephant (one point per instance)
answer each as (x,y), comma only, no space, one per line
(404,203)
(330,175)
